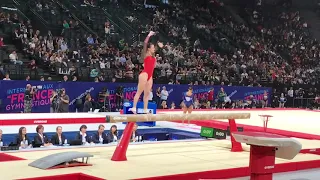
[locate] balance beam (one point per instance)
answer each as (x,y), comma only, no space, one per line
(174,117)
(121,149)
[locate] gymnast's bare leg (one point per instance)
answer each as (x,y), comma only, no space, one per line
(143,77)
(146,94)
(190,111)
(185,110)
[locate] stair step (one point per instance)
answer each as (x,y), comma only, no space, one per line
(11,46)
(314,20)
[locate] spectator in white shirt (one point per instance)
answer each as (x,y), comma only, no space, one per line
(102,65)
(290,92)
(7,78)
(166,65)
(32,45)
(290,97)
(107,28)
(39,6)
(50,45)
(164,94)
(14,58)
(151,96)
(168,72)
(108,65)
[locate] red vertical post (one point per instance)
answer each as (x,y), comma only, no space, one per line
(235,146)
(120,154)
(262,161)
(266,124)
(265,119)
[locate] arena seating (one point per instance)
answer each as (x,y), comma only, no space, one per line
(228,46)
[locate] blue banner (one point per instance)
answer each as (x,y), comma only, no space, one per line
(12,93)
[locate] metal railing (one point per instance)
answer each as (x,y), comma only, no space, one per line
(303,102)
(62,5)
(43,21)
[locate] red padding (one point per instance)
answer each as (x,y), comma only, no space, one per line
(49,120)
(6,157)
(315,151)
(237,172)
(74,176)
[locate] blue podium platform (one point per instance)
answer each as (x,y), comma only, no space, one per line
(156,135)
(184,135)
(152,108)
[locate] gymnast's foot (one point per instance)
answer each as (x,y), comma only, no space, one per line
(133,110)
(146,111)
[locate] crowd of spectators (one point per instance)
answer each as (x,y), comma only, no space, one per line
(219,99)
(288,34)
(275,49)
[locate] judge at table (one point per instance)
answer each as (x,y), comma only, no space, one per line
(82,135)
(113,134)
(58,138)
(135,135)
(100,136)
(22,139)
(41,138)
(1,139)
(1,136)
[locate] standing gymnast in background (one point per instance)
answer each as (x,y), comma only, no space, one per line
(145,80)
(188,102)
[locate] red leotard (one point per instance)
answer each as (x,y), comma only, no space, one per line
(149,64)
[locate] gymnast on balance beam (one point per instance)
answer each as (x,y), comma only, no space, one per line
(145,80)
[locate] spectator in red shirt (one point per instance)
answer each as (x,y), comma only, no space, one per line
(317,99)
(211,96)
(1,42)
(32,65)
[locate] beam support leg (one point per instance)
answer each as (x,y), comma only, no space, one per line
(235,146)
(120,154)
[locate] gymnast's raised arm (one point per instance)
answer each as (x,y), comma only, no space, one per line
(145,45)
